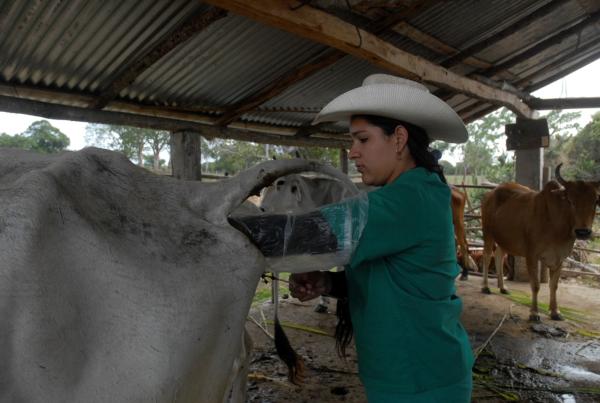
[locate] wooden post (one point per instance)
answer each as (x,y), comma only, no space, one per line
(185,155)
(344,160)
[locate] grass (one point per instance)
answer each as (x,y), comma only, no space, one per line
(588,333)
(263,291)
(568,313)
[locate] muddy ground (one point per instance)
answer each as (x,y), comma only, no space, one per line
(548,362)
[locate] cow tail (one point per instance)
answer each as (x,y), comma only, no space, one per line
(287,354)
(343,329)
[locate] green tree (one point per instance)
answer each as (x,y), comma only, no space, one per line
(583,151)
(231,156)
(131,141)
(480,152)
(328,155)
(45,138)
(157,140)
(562,126)
(16,141)
(40,136)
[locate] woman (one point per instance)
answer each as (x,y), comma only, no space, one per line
(405,316)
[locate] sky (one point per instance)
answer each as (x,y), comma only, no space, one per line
(581,83)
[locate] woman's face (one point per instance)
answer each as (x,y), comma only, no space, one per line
(375,154)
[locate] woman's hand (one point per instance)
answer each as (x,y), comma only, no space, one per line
(305,286)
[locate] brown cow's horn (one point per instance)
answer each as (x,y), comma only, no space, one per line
(557,174)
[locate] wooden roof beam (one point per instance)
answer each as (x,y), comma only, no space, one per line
(497,37)
(434,44)
(564,103)
(328,58)
(264,135)
(189,28)
(331,31)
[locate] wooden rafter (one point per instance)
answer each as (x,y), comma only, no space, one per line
(531,52)
(480,114)
(278,86)
(470,110)
(564,72)
(331,31)
(189,28)
(545,44)
(505,33)
(589,58)
(434,44)
(564,103)
(584,50)
(130,114)
(300,73)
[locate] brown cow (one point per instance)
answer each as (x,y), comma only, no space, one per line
(458,208)
(540,226)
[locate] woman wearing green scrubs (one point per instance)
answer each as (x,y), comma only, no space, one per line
(405,316)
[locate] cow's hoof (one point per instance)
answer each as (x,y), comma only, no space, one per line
(486,290)
(320,308)
(556,316)
(464,277)
(534,318)
(504,291)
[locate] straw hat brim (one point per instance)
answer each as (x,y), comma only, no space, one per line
(402,102)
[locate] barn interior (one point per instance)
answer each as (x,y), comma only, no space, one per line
(259,71)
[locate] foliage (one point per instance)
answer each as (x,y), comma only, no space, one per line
(562,126)
(134,142)
(231,156)
(40,136)
(482,156)
(16,141)
(583,151)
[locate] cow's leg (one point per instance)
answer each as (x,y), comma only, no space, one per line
(488,246)
(464,251)
(239,372)
(499,261)
(534,282)
(554,277)
(465,262)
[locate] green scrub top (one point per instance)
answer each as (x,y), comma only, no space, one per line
(405,314)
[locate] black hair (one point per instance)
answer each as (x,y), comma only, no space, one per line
(418,142)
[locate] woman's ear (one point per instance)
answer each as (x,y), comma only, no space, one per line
(400,137)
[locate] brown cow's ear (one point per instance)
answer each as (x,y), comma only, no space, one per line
(560,193)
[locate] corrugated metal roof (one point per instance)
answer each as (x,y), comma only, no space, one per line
(229,61)
(81,44)
(80,47)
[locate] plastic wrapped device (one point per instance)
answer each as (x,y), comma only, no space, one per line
(320,239)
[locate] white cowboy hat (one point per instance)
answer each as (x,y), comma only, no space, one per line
(401,99)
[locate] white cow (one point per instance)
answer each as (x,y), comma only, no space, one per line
(296,194)
(117,285)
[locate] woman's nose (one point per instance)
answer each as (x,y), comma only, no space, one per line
(353,153)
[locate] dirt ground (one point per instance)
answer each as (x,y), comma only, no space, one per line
(547,362)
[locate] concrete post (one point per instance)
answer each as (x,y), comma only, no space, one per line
(186,155)
(528,172)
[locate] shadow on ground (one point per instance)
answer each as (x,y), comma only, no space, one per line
(523,362)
